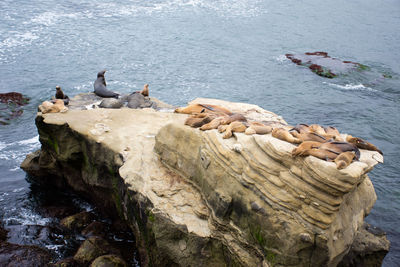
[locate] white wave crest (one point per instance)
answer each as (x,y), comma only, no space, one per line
(281,58)
(18,39)
(50,17)
(25,217)
(351,86)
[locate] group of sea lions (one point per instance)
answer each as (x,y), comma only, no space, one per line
(60,100)
(325,143)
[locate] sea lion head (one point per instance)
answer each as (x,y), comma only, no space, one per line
(101,73)
(58,88)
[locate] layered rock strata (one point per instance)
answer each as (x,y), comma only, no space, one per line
(195,199)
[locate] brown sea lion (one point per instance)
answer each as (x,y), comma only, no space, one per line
(340,147)
(285,135)
(213,124)
(309,137)
(301,128)
(344,159)
(300,150)
(236,126)
(258,128)
(223,119)
(316,128)
(360,143)
(145,90)
(198,120)
(320,153)
(202,108)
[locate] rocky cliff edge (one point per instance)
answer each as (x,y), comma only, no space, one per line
(195,199)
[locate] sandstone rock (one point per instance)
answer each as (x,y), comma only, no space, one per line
(193,198)
(77,221)
(92,248)
(108,261)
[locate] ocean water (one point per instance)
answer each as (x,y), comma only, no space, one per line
(232,50)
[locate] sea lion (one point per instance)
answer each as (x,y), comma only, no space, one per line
(48,107)
(316,128)
(222,128)
(60,95)
(100,88)
(310,136)
(145,90)
(285,135)
(202,108)
(301,128)
(300,150)
(344,159)
(213,124)
(360,143)
(320,153)
(340,147)
(258,128)
(236,126)
(223,119)
(199,121)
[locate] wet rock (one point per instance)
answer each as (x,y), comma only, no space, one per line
(57,211)
(77,221)
(92,248)
(323,65)
(369,248)
(3,234)
(68,262)
(94,229)
(108,261)
(11,106)
(17,255)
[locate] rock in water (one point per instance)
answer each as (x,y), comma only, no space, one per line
(108,260)
(323,65)
(193,198)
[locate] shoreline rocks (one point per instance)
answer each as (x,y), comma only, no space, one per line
(193,198)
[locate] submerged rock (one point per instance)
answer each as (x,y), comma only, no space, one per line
(20,255)
(323,65)
(193,198)
(11,106)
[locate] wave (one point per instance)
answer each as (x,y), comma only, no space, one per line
(16,151)
(24,216)
(350,86)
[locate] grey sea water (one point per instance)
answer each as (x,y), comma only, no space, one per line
(227,49)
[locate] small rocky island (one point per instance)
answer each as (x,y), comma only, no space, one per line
(193,198)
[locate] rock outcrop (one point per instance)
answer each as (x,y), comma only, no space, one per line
(195,199)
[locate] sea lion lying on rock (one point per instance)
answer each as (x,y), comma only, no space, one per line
(360,143)
(202,108)
(344,159)
(342,153)
(285,135)
(48,107)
